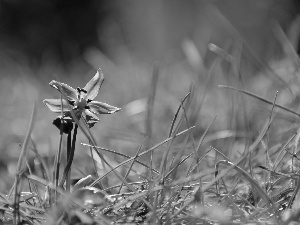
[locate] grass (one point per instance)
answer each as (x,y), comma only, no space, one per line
(182,191)
(217,155)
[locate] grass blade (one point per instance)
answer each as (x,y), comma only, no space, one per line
(121,154)
(131,165)
(150,110)
(261,99)
(16,218)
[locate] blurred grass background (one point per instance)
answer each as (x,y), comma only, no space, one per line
(68,40)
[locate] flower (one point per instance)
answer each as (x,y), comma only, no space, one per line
(81,100)
(66,121)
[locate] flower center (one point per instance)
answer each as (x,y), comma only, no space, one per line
(81,104)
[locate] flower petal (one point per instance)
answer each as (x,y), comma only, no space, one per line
(102,108)
(90,114)
(55,105)
(91,118)
(93,86)
(68,90)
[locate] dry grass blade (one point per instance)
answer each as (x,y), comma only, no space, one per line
(163,165)
(222,134)
(225,157)
(277,160)
(187,99)
(222,154)
(177,159)
(178,164)
(205,133)
(268,159)
(183,160)
(43,163)
(261,99)
(199,145)
(94,161)
(176,114)
(150,110)
(260,137)
(277,173)
(16,219)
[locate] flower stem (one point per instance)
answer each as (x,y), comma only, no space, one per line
(57,165)
(69,150)
(70,155)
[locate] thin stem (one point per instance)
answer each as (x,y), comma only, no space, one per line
(67,169)
(58,154)
(57,166)
(69,150)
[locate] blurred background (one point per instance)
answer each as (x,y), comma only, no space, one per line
(255,47)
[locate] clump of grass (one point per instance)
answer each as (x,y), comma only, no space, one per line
(198,184)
